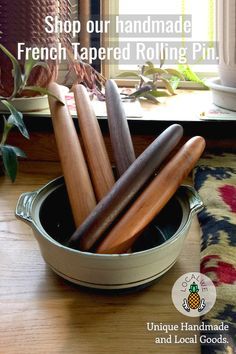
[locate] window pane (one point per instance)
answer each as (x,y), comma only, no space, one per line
(203,20)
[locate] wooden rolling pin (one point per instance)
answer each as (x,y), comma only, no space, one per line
(94,147)
(125,189)
(77,180)
(121,141)
(153,198)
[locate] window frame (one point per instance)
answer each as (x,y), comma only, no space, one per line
(111,71)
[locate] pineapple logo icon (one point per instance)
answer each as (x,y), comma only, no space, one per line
(194,302)
(194,294)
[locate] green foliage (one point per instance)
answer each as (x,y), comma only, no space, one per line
(9,160)
(16,118)
(9,156)
(10,153)
(128,74)
(21,78)
(190,75)
(150,78)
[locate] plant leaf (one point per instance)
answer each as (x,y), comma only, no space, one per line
(163,58)
(152,71)
(145,79)
(129,74)
(190,75)
(149,97)
(174,81)
(30,64)
(168,86)
(176,73)
(43,91)
(10,161)
(16,72)
(18,151)
(140,91)
(158,93)
(150,64)
(16,118)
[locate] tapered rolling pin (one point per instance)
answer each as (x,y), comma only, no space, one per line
(94,147)
(125,189)
(153,198)
(77,180)
(121,141)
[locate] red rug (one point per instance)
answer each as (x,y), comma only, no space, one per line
(215,180)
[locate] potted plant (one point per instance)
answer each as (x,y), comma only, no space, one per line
(26,78)
(22,81)
(150,78)
(20,78)
(27,26)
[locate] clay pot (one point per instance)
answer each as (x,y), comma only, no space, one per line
(28,26)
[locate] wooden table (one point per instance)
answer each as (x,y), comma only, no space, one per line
(42,313)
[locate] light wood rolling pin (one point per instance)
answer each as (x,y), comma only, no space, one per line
(153,198)
(94,146)
(121,141)
(125,189)
(77,180)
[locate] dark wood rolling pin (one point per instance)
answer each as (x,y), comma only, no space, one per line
(121,141)
(153,198)
(125,189)
(77,180)
(94,147)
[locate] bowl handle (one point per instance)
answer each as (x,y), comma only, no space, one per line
(24,205)
(195,203)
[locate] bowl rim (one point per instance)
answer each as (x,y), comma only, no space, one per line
(51,186)
(215,84)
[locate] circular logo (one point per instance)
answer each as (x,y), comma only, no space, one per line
(194,294)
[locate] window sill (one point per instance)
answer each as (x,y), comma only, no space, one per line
(187,105)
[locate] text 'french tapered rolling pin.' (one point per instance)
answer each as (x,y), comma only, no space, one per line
(77,180)
(153,198)
(94,146)
(125,189)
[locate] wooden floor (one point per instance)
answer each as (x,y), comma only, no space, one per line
(41,313)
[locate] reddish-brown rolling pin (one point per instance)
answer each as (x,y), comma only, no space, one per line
(125,189)
(94,147)
(77,180)
(121,141)
(153,198)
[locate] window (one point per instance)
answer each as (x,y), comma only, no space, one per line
(82,10)
(63,68)
(203,18)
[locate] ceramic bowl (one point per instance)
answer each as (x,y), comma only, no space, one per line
(223,96)
(28,104)
(48,212)
(31,104)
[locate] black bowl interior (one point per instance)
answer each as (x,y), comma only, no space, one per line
(57,220)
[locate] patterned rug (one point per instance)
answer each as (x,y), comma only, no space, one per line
(215,180)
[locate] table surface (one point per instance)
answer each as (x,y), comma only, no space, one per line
(42,313)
